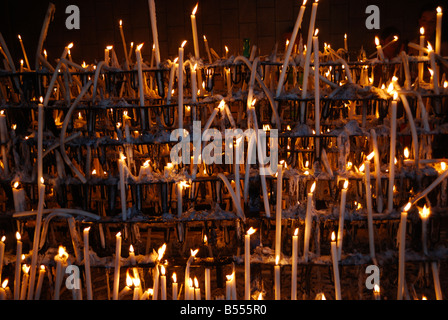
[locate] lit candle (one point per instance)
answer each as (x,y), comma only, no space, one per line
(424,215)
(345,42)
(19,197)
(137,284)
(2,254)
(295,252)
(145,170)
(277,293)
(3,140)
(141,84)
(228,81)
(121,168)
(3,290)
(87,263)
(247,263)
(316,91)
(307,59)
(187,274)
(420,53)
(393,137)
(401,252)
(163,282)
(107,55)
(124,44)
(434,74)
(239,149)
(195,32)
(174,286)
(439,30)
(155,37)
(180,90)
(376,157)
(25,278)
(168,169)
(207,49)
(342,218)
(194,84)
(61,263)
(379,49)
(18,267)
(334,256)
(117,266)
(197,290)
(369,208)
(26,57)
(208,292)
(308,222)
(376,292)
(229,286)
(278,212)
(288,51)
(435,273)
(215,111)
(173,68)
(40,281)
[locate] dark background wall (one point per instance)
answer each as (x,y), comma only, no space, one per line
(224,22)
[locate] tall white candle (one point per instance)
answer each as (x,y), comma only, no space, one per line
(229,287)
(379,49)
(393,137)
(197,289)
(342,218)
(278,212)
(334,256)
(420,53)
(117,266)
(18,267)
(155,37)
(24,52)
(162,283)
(434,73)
(369,208)
(173,68)
(187,273)
(316,91)
(207,49)
(435,274)
(195,32)
(174,286)
(307,59)
(18,194)
(401,252)
(284,69)
(247,263)
(237,168)
(138,54)
(87,263)
(180,90)
(345,43)
(207,280)
(61,263)
(121,169)
(194,84)
(295,251)
(376,157)
(308,222)
(125,49)
(3,140)
(2,254)
(277,293)
(424,215)
(25,279)
(439,30)
(40,281)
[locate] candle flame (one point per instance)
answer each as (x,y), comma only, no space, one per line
(251,231)
(439,9)
(161,251)
(146,163)
(395,38)
(62,252)
(345,36)
(429,46)
(94,172)
(260,295)
(424,298)
(422,30)
(18,237)
(195,9)
(227,49)
(443,165)
(162,270)
(445,84)
(26,268)
(5,283)
(346,184)
(3,239)
(221,105)
(131,248)
(431,72)
(407,207)
(253,102)
(139,47)
(174,276)
(190,283)
(109,47)
(205,38)
(42,267)
(316,32)
(425,212)
(16,185)
(296,232)
(183,43)
(136,282)
(377,41)
(395,95)
(196,282)
(87,229)
(277,260)
(18,36)
(120,22)
(361,168)
(128,279)
(406,152)
(313,186)
(194,252)
(376,288)
(118,234)
(371,155)
(70,45)
(333,236)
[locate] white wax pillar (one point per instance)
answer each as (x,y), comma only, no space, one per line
(438,31)
(4,139)
(2,254)
(207,48)
(125,49)
(18,194)
(247,263)
(393,137)
(208,292)
(379,193)
(40,281)
(180,90)
(174,287)
(277,293)
(420,53)
(295,251)
(334,257)
(308,222)
(171,81)
(307,59)
(121,168)
(401,251)
(18,268)
(163,284)
(155,37)
(87,263)
(379,49)
(369,209)
(194,84)
(345,43)
(341,219)
(141,84)
(195,32)
(25,279)
(278,212)
(316,91)
(117,267)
